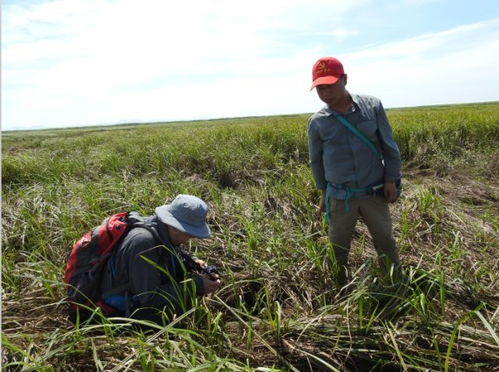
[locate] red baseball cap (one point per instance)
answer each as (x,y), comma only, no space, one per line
(327,70)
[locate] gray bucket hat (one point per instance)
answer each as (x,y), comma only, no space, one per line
(186,213)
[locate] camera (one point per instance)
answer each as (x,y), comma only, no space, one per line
(211,271)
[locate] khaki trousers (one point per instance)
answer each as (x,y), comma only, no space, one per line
(375,213)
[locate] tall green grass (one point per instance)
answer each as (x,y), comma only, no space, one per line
(279,308)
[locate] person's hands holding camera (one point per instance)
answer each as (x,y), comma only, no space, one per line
(211,282)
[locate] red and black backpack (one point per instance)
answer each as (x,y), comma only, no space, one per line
(89,256)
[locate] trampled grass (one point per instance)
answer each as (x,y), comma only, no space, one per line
(278,308)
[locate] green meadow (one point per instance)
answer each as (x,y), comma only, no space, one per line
(278,309)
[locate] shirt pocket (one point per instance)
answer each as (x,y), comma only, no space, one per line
(330,132)
(369,128)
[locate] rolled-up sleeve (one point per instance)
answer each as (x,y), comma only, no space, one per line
(391,153)
(315,152)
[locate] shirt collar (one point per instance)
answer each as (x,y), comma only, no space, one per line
(162,229)
(327,111)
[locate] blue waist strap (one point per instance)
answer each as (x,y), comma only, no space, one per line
(349,193)
(121,302)
(118,302)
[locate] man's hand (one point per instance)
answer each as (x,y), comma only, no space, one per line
(390,191)
(210,285)
(200,263)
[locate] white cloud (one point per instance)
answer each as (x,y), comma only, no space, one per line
(421,2)
(457,65)
(63,58)
(339,33)
(93,61)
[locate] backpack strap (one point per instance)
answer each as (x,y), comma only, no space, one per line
(113,297)
(359,134)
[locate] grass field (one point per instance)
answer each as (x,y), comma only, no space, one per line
(278,308)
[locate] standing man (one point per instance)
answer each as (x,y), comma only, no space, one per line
(357,172)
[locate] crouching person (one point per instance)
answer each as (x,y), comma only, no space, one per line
(148,276)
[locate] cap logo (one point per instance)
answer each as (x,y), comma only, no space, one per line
(323,68)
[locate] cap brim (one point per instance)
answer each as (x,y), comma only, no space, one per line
(166,217)
(325,80)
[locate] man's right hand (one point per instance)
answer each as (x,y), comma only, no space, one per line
(209,284)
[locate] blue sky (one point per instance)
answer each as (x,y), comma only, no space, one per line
(88,62)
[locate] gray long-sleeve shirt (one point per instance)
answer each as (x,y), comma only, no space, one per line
(337,156)
(133,271)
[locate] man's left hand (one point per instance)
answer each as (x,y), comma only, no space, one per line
(390,191)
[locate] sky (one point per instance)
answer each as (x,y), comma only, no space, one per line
(67,63)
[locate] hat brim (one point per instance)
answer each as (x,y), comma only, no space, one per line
(325,80)
(166,217)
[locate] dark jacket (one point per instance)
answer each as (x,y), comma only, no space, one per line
(146,273)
